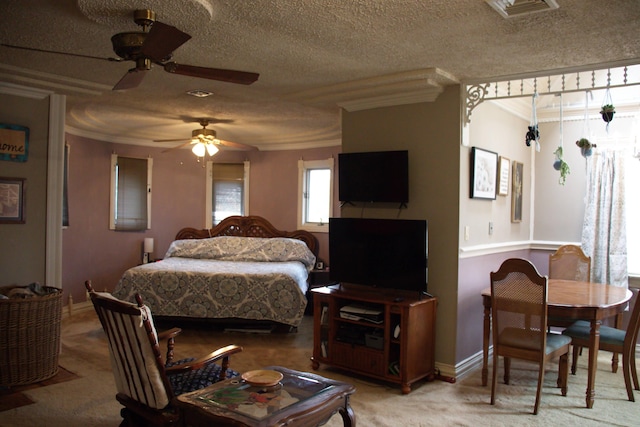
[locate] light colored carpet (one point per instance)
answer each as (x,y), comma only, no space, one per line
(89,400)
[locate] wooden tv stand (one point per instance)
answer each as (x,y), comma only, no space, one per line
(403,359)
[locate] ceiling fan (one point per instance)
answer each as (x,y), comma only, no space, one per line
(206,141)
(155,45)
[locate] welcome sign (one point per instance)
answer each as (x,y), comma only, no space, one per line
(14,143)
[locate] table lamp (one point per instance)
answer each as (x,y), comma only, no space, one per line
(148,248)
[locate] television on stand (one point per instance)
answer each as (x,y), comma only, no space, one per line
(379,253)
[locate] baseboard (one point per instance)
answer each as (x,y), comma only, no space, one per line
(467,366)
(464,368)
(71,308)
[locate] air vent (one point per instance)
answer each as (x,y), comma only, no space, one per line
(514,8)
(199,93)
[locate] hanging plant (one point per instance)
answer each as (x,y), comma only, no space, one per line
(561,165)
(532,135)
(607,111)
(586,147)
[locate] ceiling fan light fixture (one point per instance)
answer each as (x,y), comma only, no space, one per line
(204,134)
(212,149)
(199,149)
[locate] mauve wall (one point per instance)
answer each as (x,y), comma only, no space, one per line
(473,275)
(92,251)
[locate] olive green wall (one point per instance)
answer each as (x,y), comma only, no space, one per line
(431,133)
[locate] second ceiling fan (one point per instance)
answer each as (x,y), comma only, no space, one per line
(206,141)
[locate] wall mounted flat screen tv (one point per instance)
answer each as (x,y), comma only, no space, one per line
(385,253)
(380,176)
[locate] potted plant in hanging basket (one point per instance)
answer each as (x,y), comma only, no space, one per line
(586,147)
(561,165)
(607,111)
(532,134)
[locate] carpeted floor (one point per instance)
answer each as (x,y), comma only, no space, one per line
(14,397)
(89,399)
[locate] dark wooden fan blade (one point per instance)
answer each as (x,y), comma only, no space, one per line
(174,148)
(237,145)
(209,120)
(132,79)
(162,40)
(230,76)
(170,140)
(60,53)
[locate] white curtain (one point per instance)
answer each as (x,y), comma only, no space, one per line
(604,231)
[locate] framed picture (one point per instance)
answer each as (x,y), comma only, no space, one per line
(12,203)
(484,166)
(516,191)
(504,166)
(14,143)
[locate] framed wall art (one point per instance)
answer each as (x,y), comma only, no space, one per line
(14,143)
(12,200)
(484,166)
(504,168)
(516,191)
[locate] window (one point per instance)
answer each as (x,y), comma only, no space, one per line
(130,208)
(227,191)
(315,194)
(632,177)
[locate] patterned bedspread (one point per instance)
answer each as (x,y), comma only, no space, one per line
(225,277)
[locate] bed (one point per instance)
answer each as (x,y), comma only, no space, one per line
(243,269)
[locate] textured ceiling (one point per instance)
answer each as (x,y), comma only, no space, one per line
(313,56)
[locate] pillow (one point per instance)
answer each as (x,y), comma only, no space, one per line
(236,248)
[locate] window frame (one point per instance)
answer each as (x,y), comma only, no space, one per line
(303,167)
(112,196)
(632,208)
(209,191)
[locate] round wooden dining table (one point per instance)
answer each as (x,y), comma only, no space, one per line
(571,300)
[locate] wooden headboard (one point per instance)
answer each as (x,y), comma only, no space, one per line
(248,226)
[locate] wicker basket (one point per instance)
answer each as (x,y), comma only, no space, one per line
(30,338)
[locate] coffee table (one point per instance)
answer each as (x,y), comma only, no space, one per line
(299,399)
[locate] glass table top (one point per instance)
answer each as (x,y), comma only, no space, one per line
(259,402)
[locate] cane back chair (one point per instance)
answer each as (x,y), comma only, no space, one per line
(519,321)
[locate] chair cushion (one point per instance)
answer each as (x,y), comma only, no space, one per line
(133,360)
(555,341)
(562,320)
(196,379)
(582,329)
(526,339)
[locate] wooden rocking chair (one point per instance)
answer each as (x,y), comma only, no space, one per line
(147,385)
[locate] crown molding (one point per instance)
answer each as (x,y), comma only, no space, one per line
(408,87)
(51,82)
